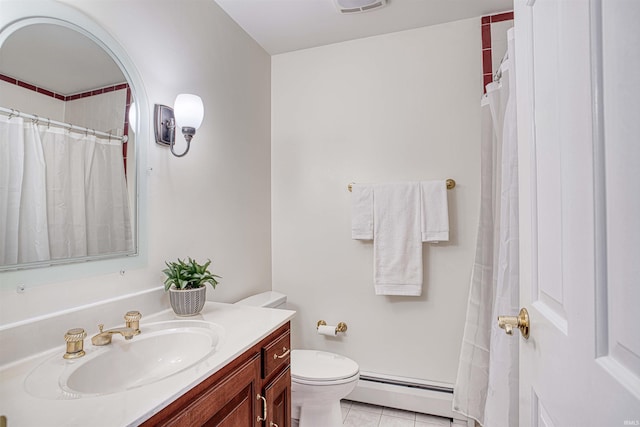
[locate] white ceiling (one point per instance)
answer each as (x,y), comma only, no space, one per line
(286,25)
(58,59)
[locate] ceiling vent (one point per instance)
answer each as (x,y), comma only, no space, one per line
(358,6)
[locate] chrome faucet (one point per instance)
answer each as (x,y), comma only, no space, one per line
(104,337)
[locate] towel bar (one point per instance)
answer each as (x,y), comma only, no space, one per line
(450,184)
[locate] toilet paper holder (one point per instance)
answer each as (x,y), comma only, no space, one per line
(340,327)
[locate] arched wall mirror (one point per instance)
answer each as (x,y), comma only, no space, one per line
(70,188)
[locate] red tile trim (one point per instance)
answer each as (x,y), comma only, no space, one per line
(486,36)
(27,86)
(486,61)
(485,25)
(502,17)
(46,92)
(98,91)
(8,79)
(126,111)
(486,79)
(86,94)
(126,129)
(61,97)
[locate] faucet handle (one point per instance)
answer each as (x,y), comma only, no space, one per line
(132,320)
(75,343)
(101,327)
(75,334)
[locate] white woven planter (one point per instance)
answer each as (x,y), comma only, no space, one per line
(188,302)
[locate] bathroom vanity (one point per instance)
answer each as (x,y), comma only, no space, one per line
(242,380)
(253,388)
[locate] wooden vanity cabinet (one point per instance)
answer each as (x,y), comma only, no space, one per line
(276,380)
(236,395)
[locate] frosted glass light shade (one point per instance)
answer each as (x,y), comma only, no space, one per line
(133,117)
(188,110)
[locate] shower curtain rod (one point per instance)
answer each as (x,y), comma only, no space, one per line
(11,112)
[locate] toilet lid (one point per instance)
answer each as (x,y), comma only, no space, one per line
(317,365)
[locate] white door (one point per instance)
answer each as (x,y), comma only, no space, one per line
(578,81)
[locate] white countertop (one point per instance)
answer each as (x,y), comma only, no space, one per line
(244,326)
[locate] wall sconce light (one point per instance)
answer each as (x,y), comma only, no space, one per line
(187,113)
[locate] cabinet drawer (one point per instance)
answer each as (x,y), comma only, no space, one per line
(276,354)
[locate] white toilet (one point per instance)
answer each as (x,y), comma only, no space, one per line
(319,379)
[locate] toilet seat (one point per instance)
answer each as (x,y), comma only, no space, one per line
(315,367)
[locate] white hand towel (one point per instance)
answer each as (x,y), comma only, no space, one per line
(435,211)
(397,245)
(362,212)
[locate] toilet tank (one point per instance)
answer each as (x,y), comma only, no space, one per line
(269,299)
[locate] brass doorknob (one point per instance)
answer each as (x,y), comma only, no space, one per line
(521,321)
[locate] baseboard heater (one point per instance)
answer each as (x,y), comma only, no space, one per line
(427,397)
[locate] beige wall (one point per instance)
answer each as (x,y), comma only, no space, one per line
(396,107)
(104,112)
(213,203)
(402,106)
(28,101)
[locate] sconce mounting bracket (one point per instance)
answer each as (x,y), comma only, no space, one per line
(165,126)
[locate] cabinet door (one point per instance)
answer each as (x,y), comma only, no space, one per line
(230,403)
(278,395)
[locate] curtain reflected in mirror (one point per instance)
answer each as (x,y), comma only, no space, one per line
(63,194)
(67,173)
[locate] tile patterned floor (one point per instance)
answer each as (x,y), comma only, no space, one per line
(356,414)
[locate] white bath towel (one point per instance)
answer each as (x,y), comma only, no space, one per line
(397,244)
(435,211)
(362,212)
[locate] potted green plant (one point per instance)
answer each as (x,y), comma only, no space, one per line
(186,283)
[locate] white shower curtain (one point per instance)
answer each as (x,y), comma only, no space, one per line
(23,216)
(486,388)
(66,159)
(62,194)
(107,201)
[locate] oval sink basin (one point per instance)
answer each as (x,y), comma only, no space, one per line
(162,349)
